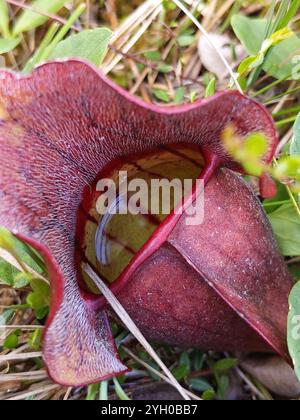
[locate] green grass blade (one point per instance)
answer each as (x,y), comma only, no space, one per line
(30,19)
(290,14)
(4,19)
(37,57)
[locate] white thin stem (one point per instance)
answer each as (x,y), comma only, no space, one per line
(33,393)
(156,372)
(122,313)
(22,356)
(205,33)
(108,68)
(21,327)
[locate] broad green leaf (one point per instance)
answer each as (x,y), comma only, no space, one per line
(181,372)
(208,395)
(7,272)
(165,68)
(200,385)
(286,225)
(162,95)
(185,40)
(294,327)
(8,44)
(225,364)
(21,251)
(295,145)
(29,19)
(153,55)
(52,38)
(250,32)
(12,340)
(4,19)
(90,45)
(39,299)
(278,61)
(22,280)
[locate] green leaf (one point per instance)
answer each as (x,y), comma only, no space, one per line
(92,393)
(39,299)
(250,32)
(119,391)
(161,95)
(278,61)
(179,95)
(5,316)
(185,360)
(225,365)
(12,340)
(181,372)
(90,45)
(185,40)
(7,272)
(211,88)
(223,385)
(294,327)
(198,360)
(200,385)
(4,19)
(208,395)
(21,251)
(169,5)
(29,19)
(22,280)
(286,226)
(279,36)
(165,68)
(40,51)
(193,96)
(35,340)
(293,9)
(152,55)
(295,144)
(250,63)
(8,44)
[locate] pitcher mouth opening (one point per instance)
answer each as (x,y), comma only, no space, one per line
(115,241)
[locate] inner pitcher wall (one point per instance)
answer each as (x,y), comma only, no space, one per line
(109,242)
